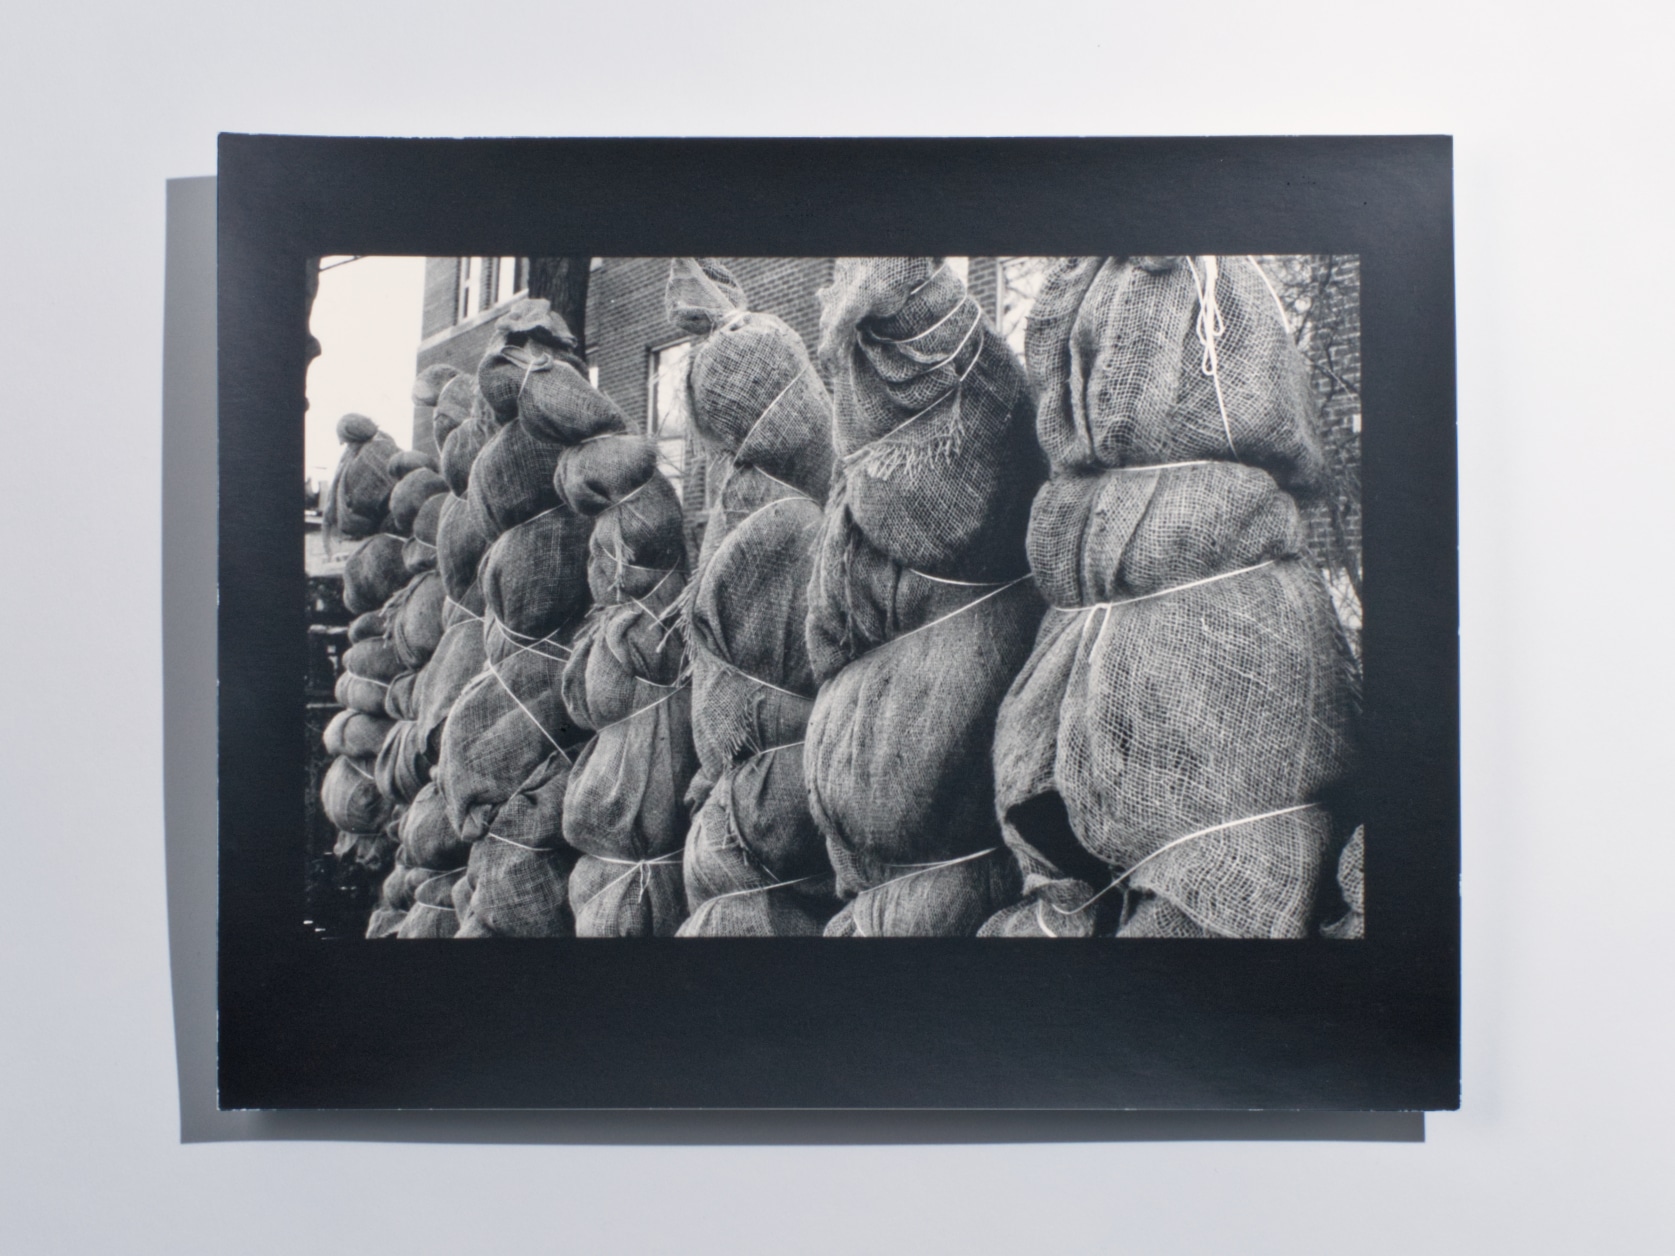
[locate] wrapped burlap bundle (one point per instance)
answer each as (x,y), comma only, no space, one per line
(432,914)
(403,766)
(411,492)
(753,394)
(535,577)
(626,682)
(899,763)
(464,534)
(414,616)
(462,448)
(406,461)
(532,371)
(358,497)
(1148,360)
(457,402)
(934,421)
(418,552)
(1191,702)
(516,891)
(428,838)
(370,624)
(356,734)
(753,849)
(921,610)
(372,573)
(350,797)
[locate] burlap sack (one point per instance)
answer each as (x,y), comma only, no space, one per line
(355,733)
(1352,886)
(463,536)
(752,392)
(457,402)
(532,372)
(357,499)
(372,573)
(406,461)
(1198,728)
(411,492)
(617,898)
(350,798)
(358,693)
(433,914)
(398,698)
(1151,360)
(506,721)
(403,766)
(517,892)
(899,742)
(948,899)
(414,614)
(460,451)
(934,420)
(428,839)
(763,912)
(534,577)
(458,658)
(533,816)
(371,624)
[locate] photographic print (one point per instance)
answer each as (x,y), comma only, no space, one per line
(858,597)
(837,624)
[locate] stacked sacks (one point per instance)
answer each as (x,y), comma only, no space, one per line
(921,610)
(754,862)
(389,639)
(625,809)
(358,497)
(1188,707)
(510,551)
(441,642)
(752,395)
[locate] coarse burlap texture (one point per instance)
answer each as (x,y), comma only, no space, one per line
(464,534)
(457,401)
(752,684)
(432,914)
(1148,360)
(534,815)
(626,679)
(934,421)
(458,658)
(534,576)
(418,552)
(358,497)
(623,898)
(1212,715)
(898,758)
(374,659)
(463,446)
(350,798)
(752,392)
(516,892)
(428,839)
(505,722)
(402,768)
(356,734)
(360,693)
(948,899)
(411,492)
(414,615)
(372,573)
(398,698)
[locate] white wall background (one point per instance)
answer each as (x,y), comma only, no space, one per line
(1566,433)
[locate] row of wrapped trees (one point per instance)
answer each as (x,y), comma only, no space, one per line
(970,647)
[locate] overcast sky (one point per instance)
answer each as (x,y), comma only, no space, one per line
(367,319)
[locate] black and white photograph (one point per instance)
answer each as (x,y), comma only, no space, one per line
(856,597)
(766,616)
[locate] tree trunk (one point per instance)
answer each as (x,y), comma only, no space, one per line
(563,282)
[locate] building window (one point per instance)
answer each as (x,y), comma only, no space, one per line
(666,408)
(487,281)
(1019,282)
(463,293)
